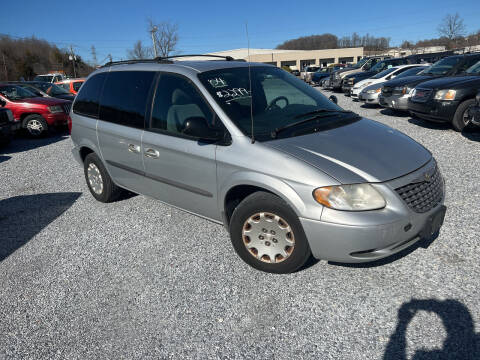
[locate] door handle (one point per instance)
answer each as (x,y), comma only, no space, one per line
(152,153)
(134,148)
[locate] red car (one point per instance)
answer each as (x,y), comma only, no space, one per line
(37,114)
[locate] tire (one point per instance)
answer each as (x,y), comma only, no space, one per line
(35,125)
(98,181)
(458,121)
(275,217)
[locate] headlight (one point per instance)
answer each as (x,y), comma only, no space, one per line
(445,95)
(55,109)
(374,91)
(357,197)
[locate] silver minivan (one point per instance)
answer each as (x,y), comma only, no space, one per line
(287,171)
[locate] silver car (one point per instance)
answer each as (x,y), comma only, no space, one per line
(287,172)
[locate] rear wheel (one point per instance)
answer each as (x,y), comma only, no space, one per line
(462,118)
(267,234)
(99,182)
(35,125)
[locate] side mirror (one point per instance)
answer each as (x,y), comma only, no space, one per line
(333,99)
(197,127)
(2,103)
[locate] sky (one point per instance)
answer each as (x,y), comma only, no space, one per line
(205,26)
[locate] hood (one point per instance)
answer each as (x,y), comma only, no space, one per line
(452,82)
(49,101)
(69,97)
(409,80)
(364,151)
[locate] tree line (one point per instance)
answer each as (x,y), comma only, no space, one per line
(330,41)
(451,31)
(27,57)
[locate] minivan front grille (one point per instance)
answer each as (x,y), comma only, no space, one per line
(425,193)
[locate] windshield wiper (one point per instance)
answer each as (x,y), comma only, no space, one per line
(320,111)
(275,132)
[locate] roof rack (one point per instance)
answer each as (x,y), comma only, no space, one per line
(165,59)
(228,58)
(136,61)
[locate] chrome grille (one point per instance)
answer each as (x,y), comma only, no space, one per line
(425,193)
(66,107)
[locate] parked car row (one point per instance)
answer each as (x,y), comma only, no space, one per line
(35,107)
(442,92)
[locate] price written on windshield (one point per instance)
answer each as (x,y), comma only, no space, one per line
(234,93)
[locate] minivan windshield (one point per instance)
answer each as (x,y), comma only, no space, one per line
(279,100)
(12,92)
(442,67)
(474,70)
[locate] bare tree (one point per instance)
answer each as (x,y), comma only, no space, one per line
(452,27)
(139,51)
(164,36)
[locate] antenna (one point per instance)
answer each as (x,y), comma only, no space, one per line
(250,82)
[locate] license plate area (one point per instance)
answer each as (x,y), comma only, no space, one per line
(434,222)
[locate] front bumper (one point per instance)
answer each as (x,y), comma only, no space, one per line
(434,110)
(346,88)
(56,119)
(354,92)
(336,83)
(368,98)
(353,237)
(397,102)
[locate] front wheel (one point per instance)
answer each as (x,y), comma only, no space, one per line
(35,125)
(99,182)
(462,118)
(267,234)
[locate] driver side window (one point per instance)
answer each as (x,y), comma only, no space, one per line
(176,100)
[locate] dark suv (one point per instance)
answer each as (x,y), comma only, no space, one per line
(352,79)
(447,99)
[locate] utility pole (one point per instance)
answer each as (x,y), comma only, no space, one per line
(152,32)
(94,56)
(72,57)
(110,57)
(5,67)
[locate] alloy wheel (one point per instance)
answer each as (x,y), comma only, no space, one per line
(34,127)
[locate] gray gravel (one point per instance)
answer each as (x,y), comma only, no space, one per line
(138,279)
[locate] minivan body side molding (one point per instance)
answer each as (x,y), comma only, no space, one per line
(189,188)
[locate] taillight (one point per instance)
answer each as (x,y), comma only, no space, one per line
(69,123)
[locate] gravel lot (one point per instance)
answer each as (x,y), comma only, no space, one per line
(138,279)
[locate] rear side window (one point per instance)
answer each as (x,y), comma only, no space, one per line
(124,97)
(87,100)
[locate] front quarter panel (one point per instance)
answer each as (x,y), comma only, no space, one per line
(244,163)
